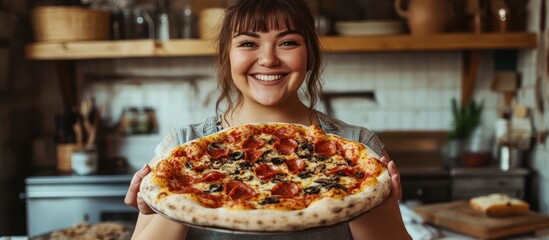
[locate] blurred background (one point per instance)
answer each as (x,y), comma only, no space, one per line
(456,89)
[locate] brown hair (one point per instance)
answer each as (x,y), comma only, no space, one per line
(262,15)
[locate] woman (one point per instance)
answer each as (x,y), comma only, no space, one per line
(267,51)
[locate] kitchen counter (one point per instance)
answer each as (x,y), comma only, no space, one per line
(88,179)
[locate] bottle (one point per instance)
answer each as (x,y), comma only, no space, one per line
(162,20)
(187,31)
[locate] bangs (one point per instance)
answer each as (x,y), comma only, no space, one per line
(263,16)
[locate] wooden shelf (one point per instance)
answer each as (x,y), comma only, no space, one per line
(331,44)
(441,42)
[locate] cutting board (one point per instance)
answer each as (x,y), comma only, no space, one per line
(460,217)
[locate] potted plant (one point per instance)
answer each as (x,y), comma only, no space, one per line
(466,120)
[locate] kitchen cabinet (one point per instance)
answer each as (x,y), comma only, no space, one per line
(426,188)
(66,52)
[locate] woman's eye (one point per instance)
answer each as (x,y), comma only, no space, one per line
(289,43)
(246,44)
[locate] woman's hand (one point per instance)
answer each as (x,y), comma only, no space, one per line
(396,187)
(385,220)
(133,197)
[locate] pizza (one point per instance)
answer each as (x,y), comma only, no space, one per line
(270,177)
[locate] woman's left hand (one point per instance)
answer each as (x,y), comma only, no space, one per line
(396,187)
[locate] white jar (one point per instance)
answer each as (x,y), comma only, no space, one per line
(84,161)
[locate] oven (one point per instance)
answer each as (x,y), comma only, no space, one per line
(56,202)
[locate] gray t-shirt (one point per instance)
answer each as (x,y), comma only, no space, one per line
(179,136)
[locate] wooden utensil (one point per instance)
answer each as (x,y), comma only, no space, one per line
(87,111)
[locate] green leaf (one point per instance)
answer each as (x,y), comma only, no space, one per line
(465,119)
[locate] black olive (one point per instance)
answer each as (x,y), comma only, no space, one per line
(217,164)
(304,174)
(337,186)
(312,190)
(216,145)
(214,188)
(236,156)
(323,181)
(269,200)
(245,165)
(271,141)
(265,155)
(278,160)
(279,178)
(340,173)
(320,158)
(326,182)
(320,167)
(305,150)
(359,175)
(349,162)
(189,165)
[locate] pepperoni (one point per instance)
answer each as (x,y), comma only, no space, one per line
(285,132)
(168,169)
(212,176)
(285,190)
(325,148)
(348,171)
(200,168)
(266,171)
(238,190)
(179,152)
(217,153)
(295,165)
(182,181)
(252,155)
(209,200)
(286,146)
(267,130)
(233,137)
(253,143)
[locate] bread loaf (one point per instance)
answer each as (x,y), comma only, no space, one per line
(499,205)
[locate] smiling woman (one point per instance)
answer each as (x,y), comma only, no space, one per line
(293,32)
(268,50)
(269,67)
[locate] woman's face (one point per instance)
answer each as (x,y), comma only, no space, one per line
(268,67)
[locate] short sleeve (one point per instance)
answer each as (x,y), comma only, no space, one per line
(371,140)
(172,140)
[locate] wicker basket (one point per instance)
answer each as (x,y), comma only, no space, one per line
(209,23)
(70,24)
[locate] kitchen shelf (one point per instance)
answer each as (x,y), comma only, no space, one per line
(331,44)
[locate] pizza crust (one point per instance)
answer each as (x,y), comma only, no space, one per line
(324,212)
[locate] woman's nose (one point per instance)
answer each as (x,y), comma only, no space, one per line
(268,58)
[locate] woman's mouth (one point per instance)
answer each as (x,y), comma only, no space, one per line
(268,77)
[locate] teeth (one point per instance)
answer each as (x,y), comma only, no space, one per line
(268,78)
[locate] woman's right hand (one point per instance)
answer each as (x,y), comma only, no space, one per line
(133,197)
